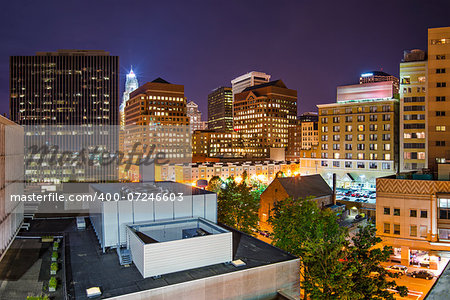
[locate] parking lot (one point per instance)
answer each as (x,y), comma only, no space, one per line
(417,287)
(356,195)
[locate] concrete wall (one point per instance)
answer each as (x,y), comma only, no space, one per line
(137,250)
(185,254)
(109,218)
(255,283)
(11,180)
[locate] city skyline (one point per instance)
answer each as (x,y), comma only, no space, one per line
(225,150)
(305,65)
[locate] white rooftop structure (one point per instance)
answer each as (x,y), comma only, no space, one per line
(164,247)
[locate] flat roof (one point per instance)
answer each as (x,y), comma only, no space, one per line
(87,266)
(149,187)
(172,230)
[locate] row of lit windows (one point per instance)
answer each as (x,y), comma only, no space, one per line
(349,137)
(359,109)
(163,98)
(360,118)
(412,230)
(359,165)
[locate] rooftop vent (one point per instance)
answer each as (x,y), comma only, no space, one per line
(238,263)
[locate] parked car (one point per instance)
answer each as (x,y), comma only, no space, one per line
(425,263)
(422,274)
(360,216)
(265,233)
(399,269)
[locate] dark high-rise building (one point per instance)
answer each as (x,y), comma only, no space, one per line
(220,109)
(75,94)
(67,87)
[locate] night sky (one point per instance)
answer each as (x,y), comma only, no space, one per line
(313,46)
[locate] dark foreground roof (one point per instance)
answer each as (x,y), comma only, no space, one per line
(305,186)
(439,291)
(87,266)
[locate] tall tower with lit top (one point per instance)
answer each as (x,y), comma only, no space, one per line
(130,85)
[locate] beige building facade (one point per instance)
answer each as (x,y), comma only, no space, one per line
(438,96)
(412,215)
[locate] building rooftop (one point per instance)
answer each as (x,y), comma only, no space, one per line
(250,74)
(375,73)
(172,230)
(414,55)
(73,52)
(277,83)
(160,80)
(305,186)
(439,291)
(234,163)
(87,266)
(149,187)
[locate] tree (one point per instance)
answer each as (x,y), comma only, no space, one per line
(370,278)
(280,174)
(257,188)
(302,229)
(333,266)
(237,207)
(214,184)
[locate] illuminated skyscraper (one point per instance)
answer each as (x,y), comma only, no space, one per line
(263,114)
(413,102)
(220,109)
(131,84)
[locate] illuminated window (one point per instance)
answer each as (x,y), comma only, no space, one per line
(423,231)
(413,230)
(397,229)
(440,128)
(387,228)
(406,80)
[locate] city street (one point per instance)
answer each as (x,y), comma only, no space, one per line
(417,287)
